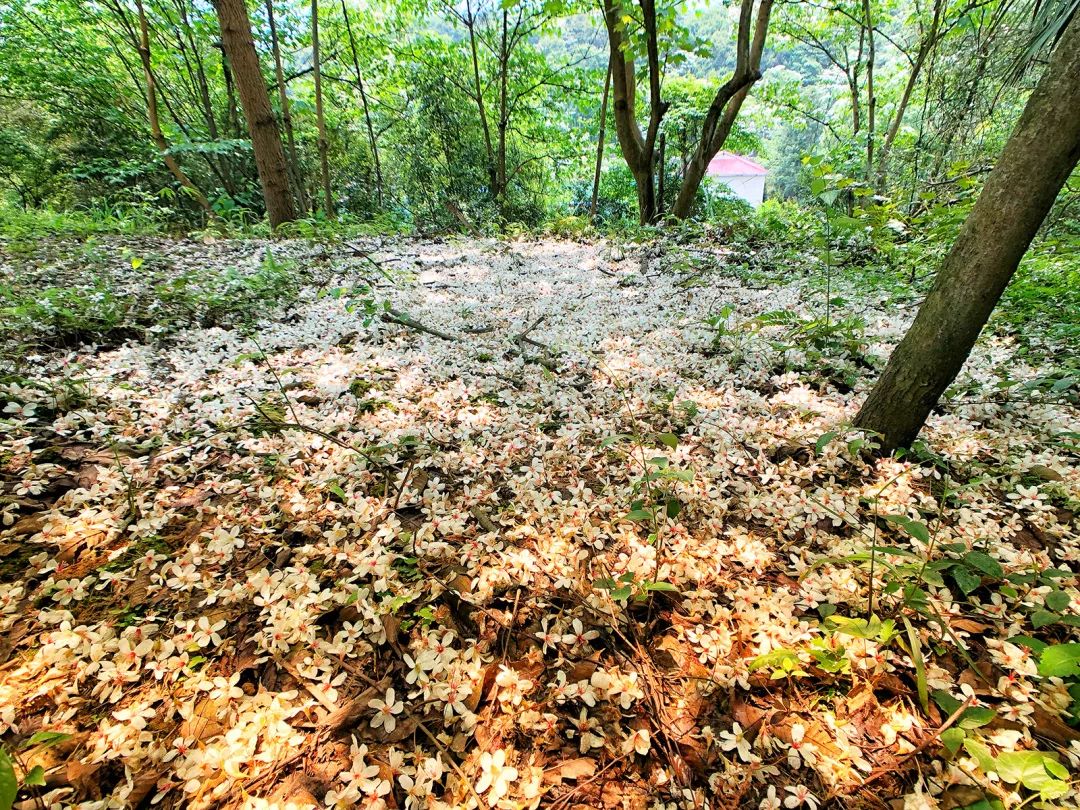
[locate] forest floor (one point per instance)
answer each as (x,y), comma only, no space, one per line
(427,524)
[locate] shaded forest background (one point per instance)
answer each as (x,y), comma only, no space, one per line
(900,106)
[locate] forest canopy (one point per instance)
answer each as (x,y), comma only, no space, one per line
(639,404)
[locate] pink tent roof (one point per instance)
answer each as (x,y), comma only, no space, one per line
(730,165)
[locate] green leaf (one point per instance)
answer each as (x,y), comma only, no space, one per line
(946,702)
(46,738)
(952,739)
(673,508)
(1032,769)
(823,441)
(36,777)
(639,515)
(670,439)
(985,563)
(9,785)
(1041,618)
(1060,661)
(610,440)
(336,490)
(920,665)
(661,586)
(967,581)
(1057,601)
(912,527)
(976,717)
(981,753)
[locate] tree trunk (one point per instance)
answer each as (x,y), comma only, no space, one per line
(1040,155)
(504,117)
(871,98)
(239,48)
(725,106)
(155,123)
(600,146)
(286,113)
(478,92)
(363,100)
(661,166)
(926,47)
(320,118)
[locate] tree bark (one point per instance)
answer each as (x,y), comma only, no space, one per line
(1040,155)
(320,118)
(286,113)
(600,146)
(239,48)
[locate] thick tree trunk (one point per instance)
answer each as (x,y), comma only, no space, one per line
(1037,160)
(239,48)
(648,211)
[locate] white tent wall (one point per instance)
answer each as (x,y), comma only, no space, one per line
(751,187)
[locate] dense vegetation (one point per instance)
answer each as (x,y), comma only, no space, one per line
(393,413)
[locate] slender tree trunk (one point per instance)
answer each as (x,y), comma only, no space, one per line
(232,118)
(897,121)
(155,123)
(320,118)
(239,48)
(1040,155)
(286,112)
(478,91)
(660,175)
(926,47)
(504,118)
(726,105)
(600,146)
(871,98)
(372,142)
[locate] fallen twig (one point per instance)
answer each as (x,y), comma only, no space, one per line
(400,318)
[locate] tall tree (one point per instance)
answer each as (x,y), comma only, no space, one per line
(1040,155)
(600,145)
(320,117)
(373,142)
(639,148)
(286,109)
(152,113)
(239,49)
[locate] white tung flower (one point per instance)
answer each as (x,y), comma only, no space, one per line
(385,711)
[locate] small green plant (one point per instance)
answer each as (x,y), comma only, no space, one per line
(10,783)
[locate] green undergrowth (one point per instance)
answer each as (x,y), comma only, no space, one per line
(106,307)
